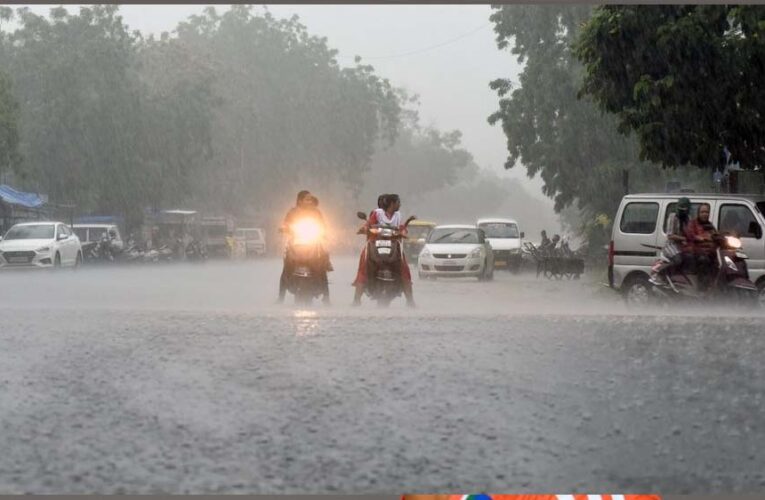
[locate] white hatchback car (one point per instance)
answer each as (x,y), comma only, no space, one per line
(456,251)
(40,245)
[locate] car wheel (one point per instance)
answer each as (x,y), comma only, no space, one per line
(78,261)
(637,292)
(57,261)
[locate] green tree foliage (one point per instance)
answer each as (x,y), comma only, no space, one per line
(290,115)
(687,80)
(423,159)
(568,141)
(81,107)
(230,112)
(9,133)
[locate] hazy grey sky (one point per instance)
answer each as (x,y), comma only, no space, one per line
(444,53)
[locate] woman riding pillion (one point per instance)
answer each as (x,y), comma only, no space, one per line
(387,213)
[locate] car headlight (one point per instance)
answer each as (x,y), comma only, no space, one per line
(43,250)
(425,254)
(475,253)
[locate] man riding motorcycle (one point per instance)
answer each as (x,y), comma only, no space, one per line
(387,213)
(700,235)
(306,207)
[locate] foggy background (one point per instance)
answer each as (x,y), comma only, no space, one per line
(444,58)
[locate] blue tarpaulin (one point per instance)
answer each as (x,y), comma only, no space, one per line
(14,197)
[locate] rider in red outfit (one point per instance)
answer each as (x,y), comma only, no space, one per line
(388,213)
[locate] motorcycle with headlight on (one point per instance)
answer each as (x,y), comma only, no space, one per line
(305,254)
(384,261)
(730,277)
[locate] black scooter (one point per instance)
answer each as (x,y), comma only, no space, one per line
(384,261)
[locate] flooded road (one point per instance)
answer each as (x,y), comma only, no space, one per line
(188,379)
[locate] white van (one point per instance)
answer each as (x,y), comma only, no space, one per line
(642,220)
(506,242)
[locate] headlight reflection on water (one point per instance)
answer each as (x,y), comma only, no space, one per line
(306,323)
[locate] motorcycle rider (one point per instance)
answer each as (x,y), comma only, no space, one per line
(388,214)
(545,241)
(678,249)
(699,233)
(306,205)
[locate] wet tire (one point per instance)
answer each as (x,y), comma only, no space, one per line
(383,302)
(57,262)
(638,292)
(761,294)
(77,262)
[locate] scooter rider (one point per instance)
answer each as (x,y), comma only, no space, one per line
(388,214)
(700,234)
(677,250)
(306,206)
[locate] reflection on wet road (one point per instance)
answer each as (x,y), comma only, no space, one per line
(189,379)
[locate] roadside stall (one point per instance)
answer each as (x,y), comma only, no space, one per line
(17,206)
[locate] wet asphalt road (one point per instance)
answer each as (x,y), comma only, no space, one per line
(188,379)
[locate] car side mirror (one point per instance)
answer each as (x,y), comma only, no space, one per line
(755,229)
(361,215)
(61,237)
(523,235)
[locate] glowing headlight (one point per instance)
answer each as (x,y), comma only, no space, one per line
(475,253)
(733,242)
(306,231)
(43,250)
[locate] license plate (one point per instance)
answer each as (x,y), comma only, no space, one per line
(383,243)
(383,251)
(449,262)
(18,260)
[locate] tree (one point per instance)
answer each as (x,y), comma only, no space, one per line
(290,116)
(423,159)
(573,145)
(80,112)
(9,133)
(687,80)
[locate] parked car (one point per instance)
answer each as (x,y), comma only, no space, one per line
(456,251)
(93,233)
(506,242)
(40,245)
(640,229)
(253,239)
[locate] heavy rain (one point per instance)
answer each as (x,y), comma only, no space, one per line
(191,303)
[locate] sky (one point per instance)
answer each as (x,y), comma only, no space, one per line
(446,54)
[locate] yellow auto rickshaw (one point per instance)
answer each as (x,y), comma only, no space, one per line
(418,233)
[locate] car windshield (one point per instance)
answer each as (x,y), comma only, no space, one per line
(35,232)
(453,235)
(500,230)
